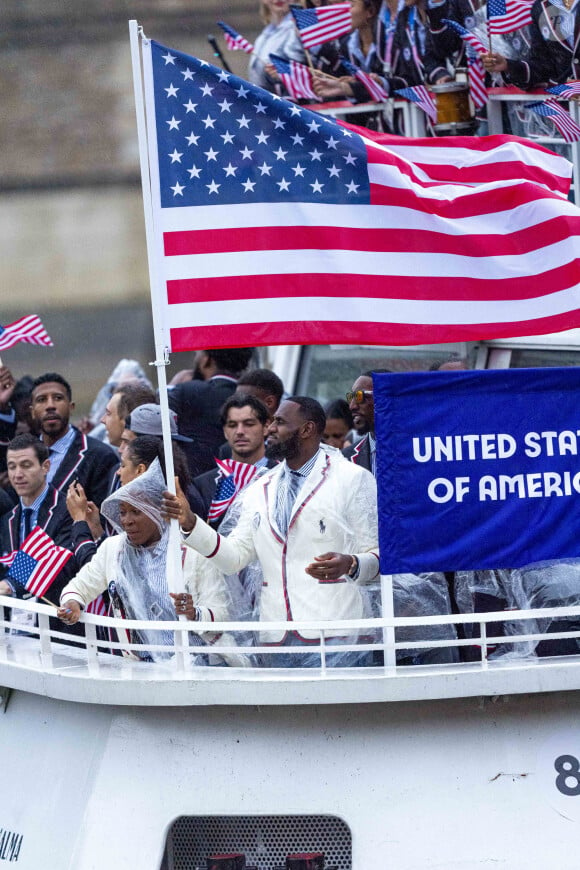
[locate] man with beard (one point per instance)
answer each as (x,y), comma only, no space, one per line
(312,523)
(73,456)
(362,407)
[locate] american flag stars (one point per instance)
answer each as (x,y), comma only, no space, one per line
(223,141)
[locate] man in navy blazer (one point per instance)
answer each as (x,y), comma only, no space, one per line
(39,504)
(73,456)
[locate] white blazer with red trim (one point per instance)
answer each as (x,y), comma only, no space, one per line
(336,511)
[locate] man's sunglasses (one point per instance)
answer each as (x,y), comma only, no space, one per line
(358,396)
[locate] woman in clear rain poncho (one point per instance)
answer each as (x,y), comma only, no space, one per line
(132,565)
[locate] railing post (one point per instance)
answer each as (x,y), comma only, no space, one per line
(388,611)
(322,653)
(483,638)
(181,646)
(45,641)
(91,647)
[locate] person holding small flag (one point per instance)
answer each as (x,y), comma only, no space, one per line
(555,48)
(279,37)
(35,537)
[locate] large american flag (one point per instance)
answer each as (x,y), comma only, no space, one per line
(560,118)
(234,476)
(276,225)
(29,330)
(504,16)
(323,23)
(37,563)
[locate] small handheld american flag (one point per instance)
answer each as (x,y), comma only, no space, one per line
(376,90)
(503,16)
(466,35)
(234,476)
(34,567)
(476,74)
(296,78)
(420,95)
(234,40)
(566,91)
(322,23)
(559,116)
(29,329)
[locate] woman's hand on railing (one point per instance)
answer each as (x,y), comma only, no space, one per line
(69,612)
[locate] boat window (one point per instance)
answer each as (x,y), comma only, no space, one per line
(327,371)
(522,358)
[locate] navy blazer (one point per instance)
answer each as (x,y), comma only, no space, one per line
(55,520)
(91,463)
(360,453)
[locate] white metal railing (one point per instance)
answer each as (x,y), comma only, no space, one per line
(96,652)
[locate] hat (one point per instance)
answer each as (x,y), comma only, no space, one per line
(146,420)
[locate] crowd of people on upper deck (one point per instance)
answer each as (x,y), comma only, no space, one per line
(276,502)
(406,43)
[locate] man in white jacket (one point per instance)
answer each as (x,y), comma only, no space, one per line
(311,522)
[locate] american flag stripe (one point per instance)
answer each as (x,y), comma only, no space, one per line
(29,330)
(323,23)
(97,606)
(47,571)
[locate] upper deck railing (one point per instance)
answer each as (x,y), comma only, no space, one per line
(48,661)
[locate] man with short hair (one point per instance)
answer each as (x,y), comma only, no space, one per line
(39,504)
(264,385)
(126,397)
(245,423)
(198,402)
(310,521)
(73,456)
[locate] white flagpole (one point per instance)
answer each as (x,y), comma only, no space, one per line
(149,171)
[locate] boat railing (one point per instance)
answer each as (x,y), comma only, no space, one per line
(498,663)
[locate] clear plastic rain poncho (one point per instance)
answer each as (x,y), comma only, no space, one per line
(126,369)
(543,584)
(417,595)
(140,580)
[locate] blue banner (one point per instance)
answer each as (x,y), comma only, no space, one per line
(477,469)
